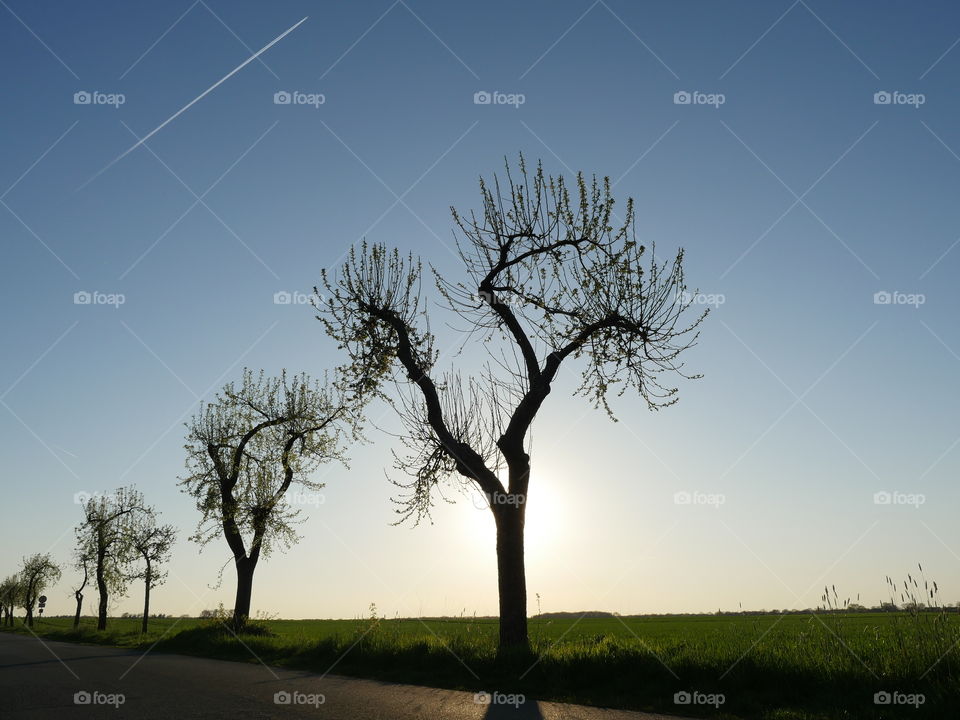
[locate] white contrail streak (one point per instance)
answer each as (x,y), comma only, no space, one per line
(199,97)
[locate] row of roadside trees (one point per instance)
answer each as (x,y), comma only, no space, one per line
(119,540)
(552,277)
(25,588)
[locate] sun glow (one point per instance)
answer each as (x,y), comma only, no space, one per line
(545,512)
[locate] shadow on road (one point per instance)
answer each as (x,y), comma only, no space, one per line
(69,659)
(526,711)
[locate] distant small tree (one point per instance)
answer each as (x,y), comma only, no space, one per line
(247,448)
(82,561)
(548,280)
(152,544)
(104,536)
(37,574)
(11,590)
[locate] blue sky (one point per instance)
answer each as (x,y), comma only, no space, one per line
(798,198)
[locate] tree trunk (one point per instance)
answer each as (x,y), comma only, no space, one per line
(511,576)
(241,607)
(146,598)
(76,618)
(102,589)
(28,600)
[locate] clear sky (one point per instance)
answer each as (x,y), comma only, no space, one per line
(798,198)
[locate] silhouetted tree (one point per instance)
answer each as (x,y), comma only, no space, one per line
(550,277)
(152,543)
(104,536)
(11,590)
(37,573)
(82,561)
(247,448)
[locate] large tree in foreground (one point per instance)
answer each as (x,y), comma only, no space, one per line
(549,279)
(247,448)
(38,572)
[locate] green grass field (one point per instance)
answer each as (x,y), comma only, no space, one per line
(765,666)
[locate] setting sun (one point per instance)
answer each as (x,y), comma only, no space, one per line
(603,352)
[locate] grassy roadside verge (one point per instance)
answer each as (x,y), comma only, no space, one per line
(797,670)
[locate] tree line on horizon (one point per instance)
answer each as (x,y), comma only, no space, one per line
(552,277)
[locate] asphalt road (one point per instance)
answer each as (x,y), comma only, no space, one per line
(43,679)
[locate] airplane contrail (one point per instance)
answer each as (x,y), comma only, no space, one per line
(199,97)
